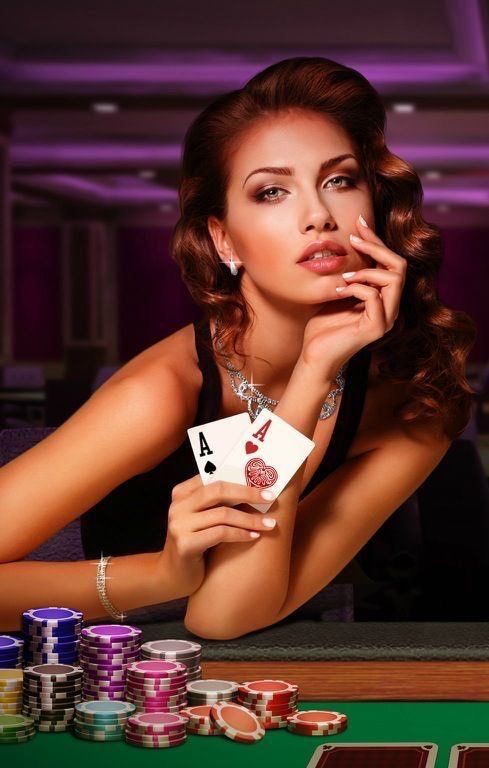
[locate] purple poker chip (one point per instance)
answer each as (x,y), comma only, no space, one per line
(100,687)
(106,633)
(109,657)
(100,665)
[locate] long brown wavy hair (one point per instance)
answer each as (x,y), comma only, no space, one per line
(429,343)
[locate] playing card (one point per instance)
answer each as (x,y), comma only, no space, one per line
(211,442)
(375,754)
(469,755)
(266,455)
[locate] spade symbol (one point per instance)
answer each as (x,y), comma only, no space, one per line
(210,468)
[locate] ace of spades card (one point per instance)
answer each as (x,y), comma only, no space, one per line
(212,442)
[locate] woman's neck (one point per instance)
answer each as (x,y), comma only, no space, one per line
(272,346)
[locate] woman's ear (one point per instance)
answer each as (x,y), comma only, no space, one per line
(222,242)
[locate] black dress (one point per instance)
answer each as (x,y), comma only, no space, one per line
(132,517)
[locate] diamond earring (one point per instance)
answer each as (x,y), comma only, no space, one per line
(232,267)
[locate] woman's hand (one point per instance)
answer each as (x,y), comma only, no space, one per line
(340,329)
(201,516)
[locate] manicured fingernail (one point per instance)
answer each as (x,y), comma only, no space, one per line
(347,274)
(268,495)
(341,288)
(269,522)
(254,534)
(356,239)
(362,221)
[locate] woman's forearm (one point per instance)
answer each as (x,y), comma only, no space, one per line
(246,584)
(130,583)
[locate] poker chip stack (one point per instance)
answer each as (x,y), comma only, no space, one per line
(101,720)
(199,721)
(106,650)
(316,722)
(236,722)
(11,691)
(184,651)
(157,686)
(16,729)
(156,730)
(10,652)
(51,635)
(201,692)
(272,701)
(50,693)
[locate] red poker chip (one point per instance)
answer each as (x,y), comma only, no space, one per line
(268,688)
(317,723)
(236,722)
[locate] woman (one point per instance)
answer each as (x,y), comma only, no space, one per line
(293,162)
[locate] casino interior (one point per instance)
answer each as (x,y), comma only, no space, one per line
(92,117)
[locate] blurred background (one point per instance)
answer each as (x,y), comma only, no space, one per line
(94,102)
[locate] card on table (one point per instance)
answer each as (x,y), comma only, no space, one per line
(374,755)
(212,442)
(266,455)
(469,755)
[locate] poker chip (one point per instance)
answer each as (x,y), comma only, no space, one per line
(10,677)
(268,689)
(101,735)
(11,725)
(154,742)
(50,693)
(11,651)
(51,635)
(56,673)
(208,691)
(184,651)
(157,669)
(106,652)
(271,701)
(10,692)
(157,729)
(100,712)
(199,720)
(315,722)
(107,634)
(52,617)
(157,685)
(236,722)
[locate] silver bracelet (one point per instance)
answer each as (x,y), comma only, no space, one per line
(102,593)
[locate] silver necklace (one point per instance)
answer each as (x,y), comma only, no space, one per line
(262,401)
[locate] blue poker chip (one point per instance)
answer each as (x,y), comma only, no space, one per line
(36,631)
(51,648)
(10,643)
(52,616)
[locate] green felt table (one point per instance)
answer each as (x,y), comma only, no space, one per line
(444,723)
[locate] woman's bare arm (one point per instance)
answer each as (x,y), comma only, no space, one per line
(244,585)
(122,430)
(348,506)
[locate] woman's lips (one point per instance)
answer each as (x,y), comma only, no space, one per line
(325,265)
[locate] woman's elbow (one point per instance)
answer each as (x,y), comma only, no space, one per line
(216,627)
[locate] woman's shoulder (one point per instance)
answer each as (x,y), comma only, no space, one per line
(175,353)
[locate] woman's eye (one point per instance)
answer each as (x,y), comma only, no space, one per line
(266,196)
(350,181)
(263,195)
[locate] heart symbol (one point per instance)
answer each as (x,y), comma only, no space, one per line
(250,447)
(259,474)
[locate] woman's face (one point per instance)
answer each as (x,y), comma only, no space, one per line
(273,216)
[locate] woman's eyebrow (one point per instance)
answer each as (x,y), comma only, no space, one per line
(285,171)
